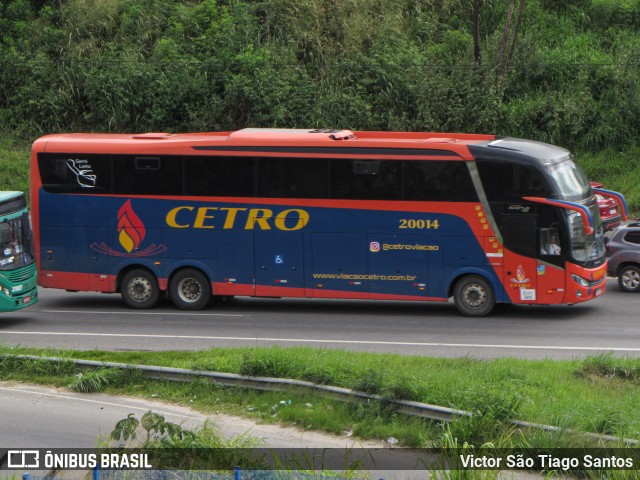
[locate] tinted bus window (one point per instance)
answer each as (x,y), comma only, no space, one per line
(366,180)
(293,177)
(441,181)
(147,175)
(75,173)
(220,176)
(508,182)
(430,180)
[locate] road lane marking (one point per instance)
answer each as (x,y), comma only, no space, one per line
(120,312)
(325,341)
(87,400)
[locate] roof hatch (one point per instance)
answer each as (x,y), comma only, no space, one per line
(152,136)
(291,134)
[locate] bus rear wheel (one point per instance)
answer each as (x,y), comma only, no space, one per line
(190,289)
(140,289)
(473,296)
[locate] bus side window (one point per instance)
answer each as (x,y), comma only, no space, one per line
(144,175)
(504,182)
(550,241)
(75,173)
(5,233)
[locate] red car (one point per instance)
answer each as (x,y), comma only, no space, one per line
(610,211)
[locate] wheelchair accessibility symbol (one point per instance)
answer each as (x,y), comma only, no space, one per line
(279,259)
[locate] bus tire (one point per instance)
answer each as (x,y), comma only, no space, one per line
(190,289)
(473,296)
(629,278)
(139,289)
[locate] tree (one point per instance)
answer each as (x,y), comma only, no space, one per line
(504,57)
(509,36)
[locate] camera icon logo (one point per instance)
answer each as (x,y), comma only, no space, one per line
(23,459)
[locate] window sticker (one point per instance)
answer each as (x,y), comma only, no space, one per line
(83,171)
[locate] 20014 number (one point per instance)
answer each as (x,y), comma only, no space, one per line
(418,224)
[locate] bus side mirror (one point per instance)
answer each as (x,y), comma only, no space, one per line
(576,207)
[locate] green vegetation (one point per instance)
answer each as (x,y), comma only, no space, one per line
(153,433)
(598,394)
(142,65)
(573,78)
(14,164)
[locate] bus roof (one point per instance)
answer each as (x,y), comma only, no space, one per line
(4,196)
(512,148)
(269,137)
(12,202)
(462,145)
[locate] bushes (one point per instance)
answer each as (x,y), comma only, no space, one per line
(141,65)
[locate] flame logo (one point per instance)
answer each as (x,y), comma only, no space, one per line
(130,228)
(520,274)
(131,233)
(521,277)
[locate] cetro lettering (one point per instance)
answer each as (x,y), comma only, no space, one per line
(227,218)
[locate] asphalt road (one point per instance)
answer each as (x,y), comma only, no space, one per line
(100,321)
(36,417)
(41,417)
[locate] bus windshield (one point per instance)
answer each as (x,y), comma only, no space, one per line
(15,243)
(571,184)
(570,181)
(585,248)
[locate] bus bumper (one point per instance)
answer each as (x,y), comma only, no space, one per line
(10,303)
(585,284)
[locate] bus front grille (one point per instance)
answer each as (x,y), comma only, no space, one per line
(22,274)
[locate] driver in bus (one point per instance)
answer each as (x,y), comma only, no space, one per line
(7,244)
(553,247)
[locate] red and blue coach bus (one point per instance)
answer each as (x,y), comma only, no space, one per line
(316,213)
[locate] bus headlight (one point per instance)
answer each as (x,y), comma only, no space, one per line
(583,282)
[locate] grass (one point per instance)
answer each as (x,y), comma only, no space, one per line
(14,164)
(598,394)
(618,170)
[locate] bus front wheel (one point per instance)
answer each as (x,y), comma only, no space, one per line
(190,289)
(140,289)
(473,296)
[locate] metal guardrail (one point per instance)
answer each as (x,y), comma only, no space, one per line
(407,407)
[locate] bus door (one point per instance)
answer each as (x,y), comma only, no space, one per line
(98,260)
(551,274)
(339,265)
(58,261)
(279,265)
(399,264)
(520,272)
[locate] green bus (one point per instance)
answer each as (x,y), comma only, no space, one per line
(18,274)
